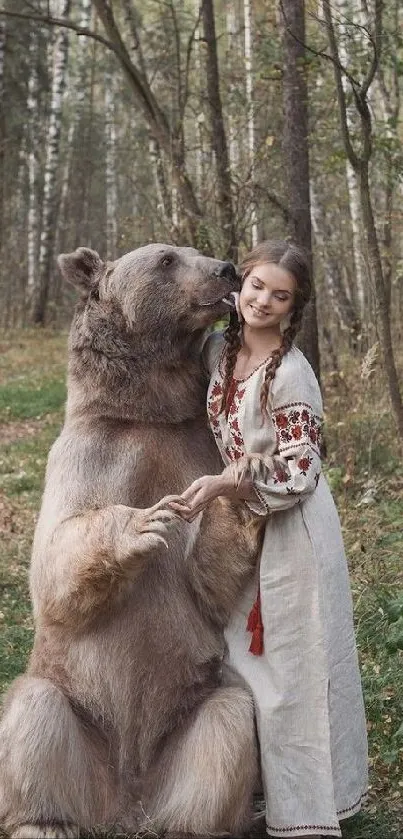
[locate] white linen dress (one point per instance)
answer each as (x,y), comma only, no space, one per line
(306,685)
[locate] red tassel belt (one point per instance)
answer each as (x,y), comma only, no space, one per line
(255,626)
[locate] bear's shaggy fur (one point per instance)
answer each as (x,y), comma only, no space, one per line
(123,718)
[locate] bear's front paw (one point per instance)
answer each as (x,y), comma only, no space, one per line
(145,530)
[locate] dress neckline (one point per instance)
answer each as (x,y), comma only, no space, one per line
(245,378)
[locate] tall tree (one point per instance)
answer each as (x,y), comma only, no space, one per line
(346,51)
(250,107)
(156,118)
(344,308)
(32,155)
(219,139)
(50,194)
(360,160)
(110,168)
(2,127)
(296,155)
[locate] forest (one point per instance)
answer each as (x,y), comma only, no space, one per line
(217,124)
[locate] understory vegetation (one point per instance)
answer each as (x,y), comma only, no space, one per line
(366,476)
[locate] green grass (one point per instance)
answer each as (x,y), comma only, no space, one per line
(26,400)
(362,457)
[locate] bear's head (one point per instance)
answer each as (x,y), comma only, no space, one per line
(145,313)
(154,288)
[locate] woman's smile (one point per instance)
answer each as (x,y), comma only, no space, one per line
(258,312)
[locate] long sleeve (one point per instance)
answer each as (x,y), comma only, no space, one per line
(291,472)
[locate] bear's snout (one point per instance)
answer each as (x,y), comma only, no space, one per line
(227,272)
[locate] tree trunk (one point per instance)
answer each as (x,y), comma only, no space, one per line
(50,197)
(219,140)
(163,197)
(296,156)
(343,307)
(231,51)
(156,120)
(375,266)
(344,32)
(250,107)
(360,164)
(33,208)
(2,129)
(110,169)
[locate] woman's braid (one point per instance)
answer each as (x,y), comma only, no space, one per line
(232,336)
(277,357)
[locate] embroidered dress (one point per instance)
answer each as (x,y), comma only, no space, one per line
(306,684)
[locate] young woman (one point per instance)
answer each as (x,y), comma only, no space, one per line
(292,637)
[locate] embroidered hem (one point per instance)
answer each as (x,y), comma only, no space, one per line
(302,830)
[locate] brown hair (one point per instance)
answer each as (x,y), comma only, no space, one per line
(294,260)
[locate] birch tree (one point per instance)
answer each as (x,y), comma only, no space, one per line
(360,160)
(110,168)
(156,118)
(344,308)
(50,195)
(348,12)
(250,110)
(2,132)
(296,155)
(33,206)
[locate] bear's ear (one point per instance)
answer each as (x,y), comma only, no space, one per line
(83,268)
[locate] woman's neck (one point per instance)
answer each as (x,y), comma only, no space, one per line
(260,343)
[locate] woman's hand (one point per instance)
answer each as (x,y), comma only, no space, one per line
(207,488)
(201,492)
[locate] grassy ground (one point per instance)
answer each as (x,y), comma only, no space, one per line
(366,476)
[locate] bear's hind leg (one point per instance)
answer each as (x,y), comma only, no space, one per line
(205,780)
(51,783)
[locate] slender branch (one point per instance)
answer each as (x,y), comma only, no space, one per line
(56,21)
(275,200)
(129,13)
(352,156)
(177,40)
(377,44)
(189,48)
(318,53)
(139,82)
(146,98)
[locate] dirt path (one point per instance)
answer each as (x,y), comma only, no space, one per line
(10,432)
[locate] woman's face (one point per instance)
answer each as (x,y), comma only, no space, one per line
(267,296)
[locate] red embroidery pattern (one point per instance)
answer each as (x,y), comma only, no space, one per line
(296,423)
(236,394)
(213,408)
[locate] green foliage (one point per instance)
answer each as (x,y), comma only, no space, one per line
(25,400)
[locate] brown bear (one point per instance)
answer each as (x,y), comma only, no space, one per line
(124,718)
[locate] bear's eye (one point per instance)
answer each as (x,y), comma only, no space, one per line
(167,260)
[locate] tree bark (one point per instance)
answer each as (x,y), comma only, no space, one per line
(360,164)
(156,120)
(219,139)
(346,314)
(250,107)
(110,169)
(2,128)
(50,196)
(351,177)
(296,156)
(376,270)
